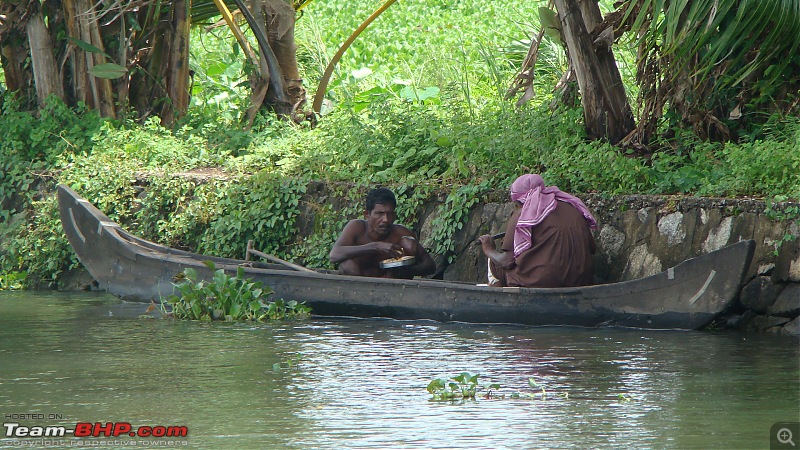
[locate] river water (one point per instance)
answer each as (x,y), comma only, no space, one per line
(69,358)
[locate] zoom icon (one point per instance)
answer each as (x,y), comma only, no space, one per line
(783,435)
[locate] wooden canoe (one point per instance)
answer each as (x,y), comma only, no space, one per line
(687,296)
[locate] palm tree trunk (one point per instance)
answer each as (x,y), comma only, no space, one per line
(607,113)
(82,24)
(14,54)
(277,97)
(263,82)
(13,57)
(611,78)
(176,75)
(45,70)
(280,20)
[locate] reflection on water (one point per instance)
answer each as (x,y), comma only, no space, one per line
(361,383)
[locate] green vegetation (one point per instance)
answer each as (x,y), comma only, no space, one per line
(452,216)
(462,387)
(465,386)
(228,298)
(538,390)
(11,281)
(291,362)
(416,104)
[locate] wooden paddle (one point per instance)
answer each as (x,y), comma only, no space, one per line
(275,259)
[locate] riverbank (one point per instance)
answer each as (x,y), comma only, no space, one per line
(637,236)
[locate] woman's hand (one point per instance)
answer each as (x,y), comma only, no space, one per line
(487,243)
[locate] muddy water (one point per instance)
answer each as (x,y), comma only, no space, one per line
(68,359)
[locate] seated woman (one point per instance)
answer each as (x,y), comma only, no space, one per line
(548,241)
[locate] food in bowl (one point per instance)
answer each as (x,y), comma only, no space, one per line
(400,261)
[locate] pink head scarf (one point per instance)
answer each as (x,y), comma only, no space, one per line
(538,201)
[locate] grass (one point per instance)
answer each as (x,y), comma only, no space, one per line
(459,57)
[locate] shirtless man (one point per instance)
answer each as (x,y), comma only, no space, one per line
(365,243)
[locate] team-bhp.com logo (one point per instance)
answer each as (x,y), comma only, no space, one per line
(97,429)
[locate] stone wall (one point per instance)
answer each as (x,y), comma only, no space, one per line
(642,235)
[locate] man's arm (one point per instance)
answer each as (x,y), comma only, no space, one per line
(425,264)
(346,248)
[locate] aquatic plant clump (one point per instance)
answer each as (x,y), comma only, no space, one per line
(465,387)
(462,387)
(228,298)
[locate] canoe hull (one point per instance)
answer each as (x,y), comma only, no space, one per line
(687,296)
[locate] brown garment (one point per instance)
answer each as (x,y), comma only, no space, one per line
(560,254)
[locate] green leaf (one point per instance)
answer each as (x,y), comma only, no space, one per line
(190,273)
(196,309)
(550,22)
(236,310)
(215,70)
(109,71)
(87,47)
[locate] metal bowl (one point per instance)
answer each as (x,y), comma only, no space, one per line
(398,262)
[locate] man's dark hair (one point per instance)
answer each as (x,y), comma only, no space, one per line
(380,196)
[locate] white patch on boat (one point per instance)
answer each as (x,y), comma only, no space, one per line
(102,225)
(671,273)
(703,289)
(75,226)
